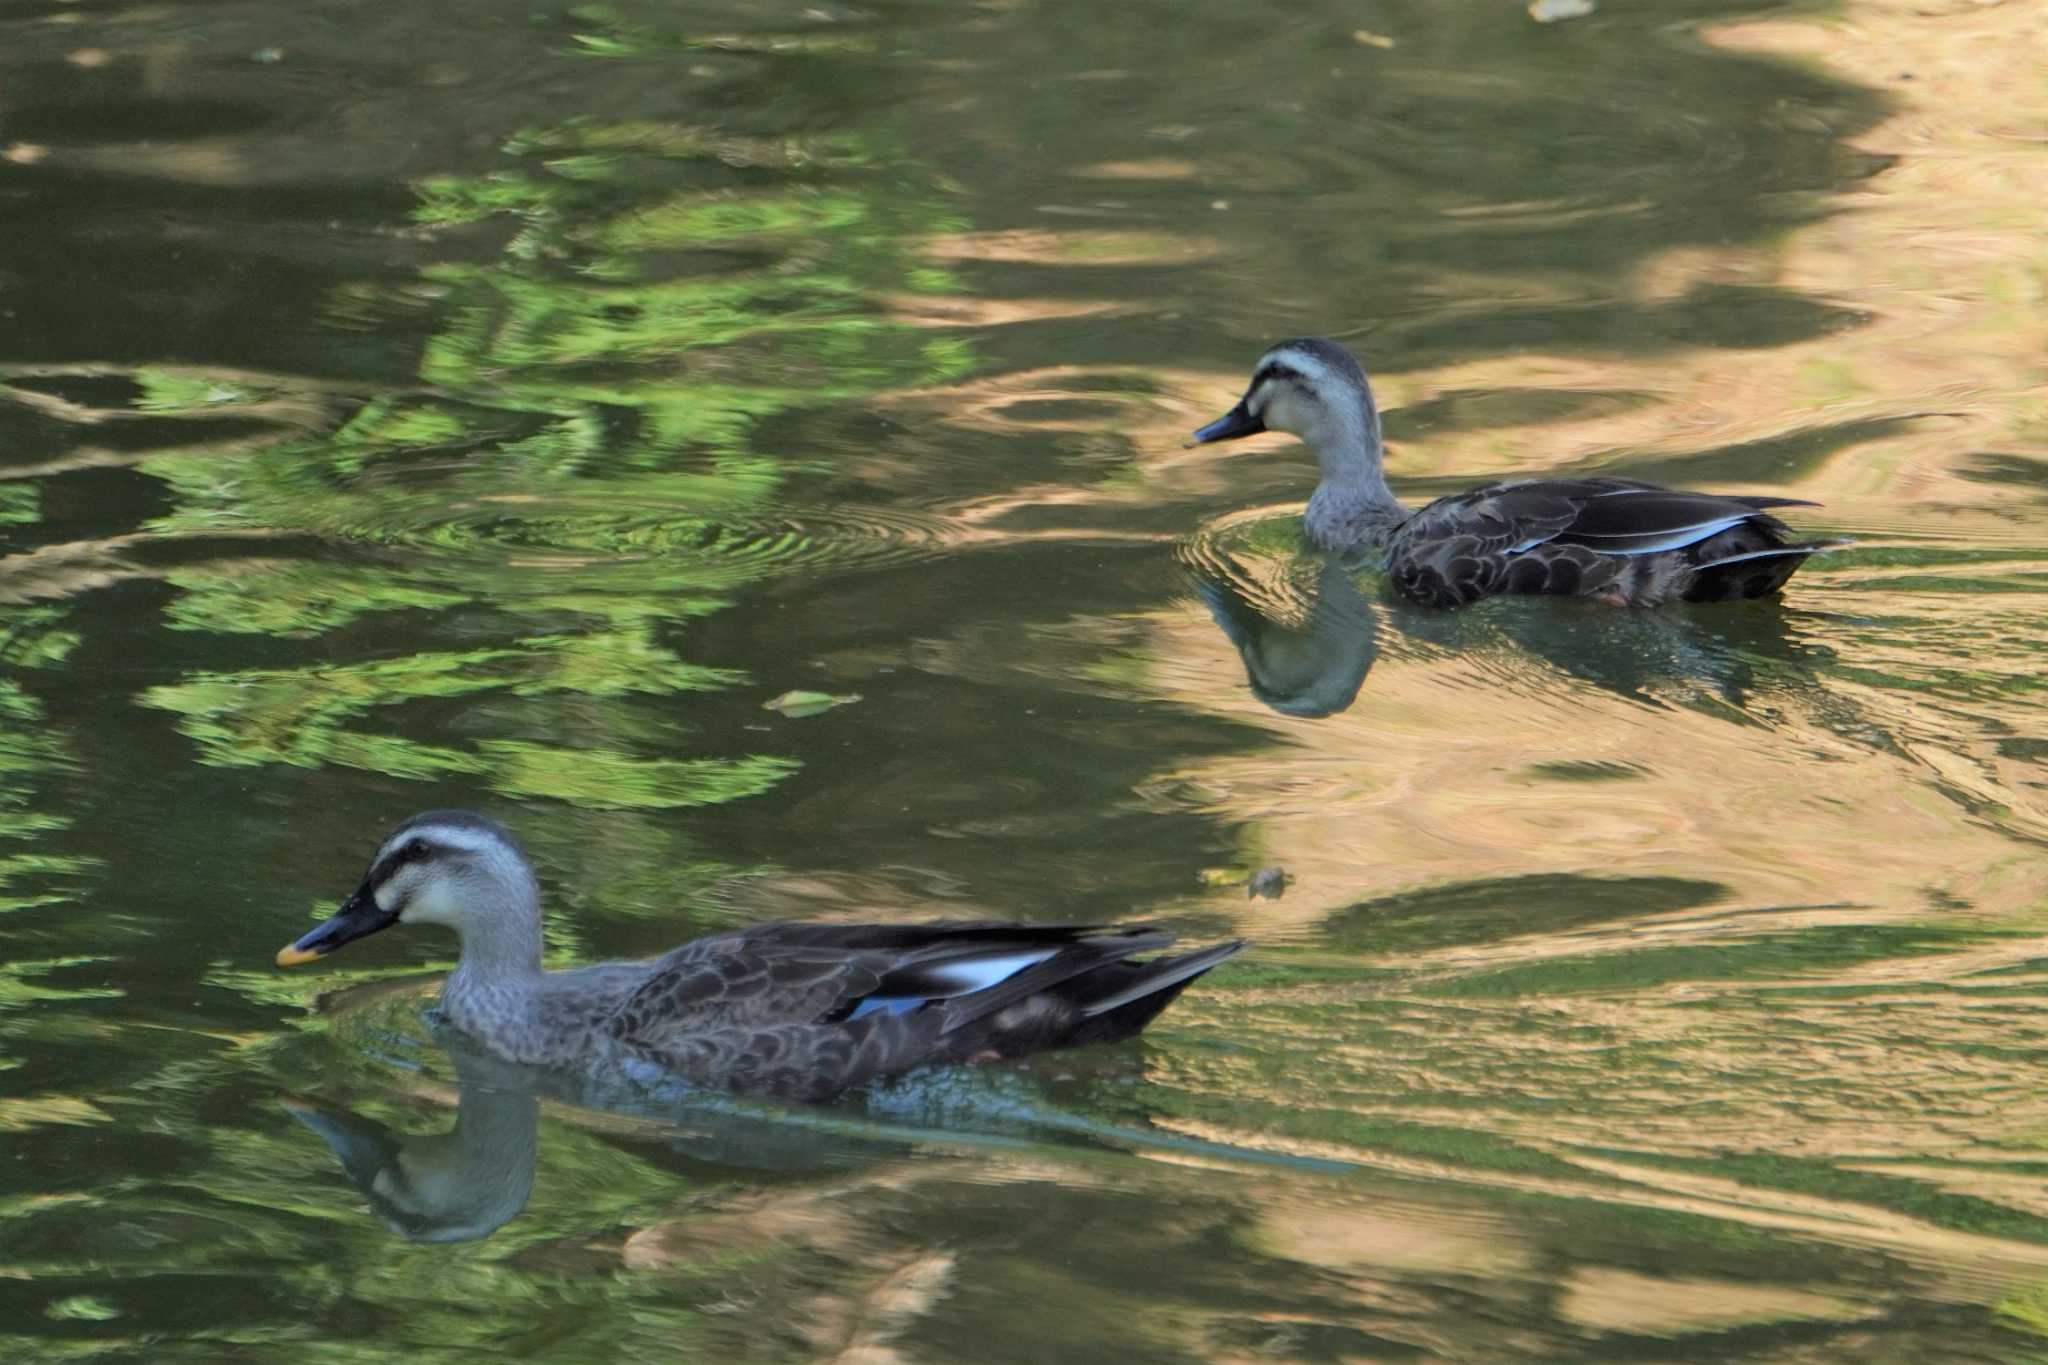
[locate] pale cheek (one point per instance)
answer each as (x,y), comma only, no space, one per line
(424,909)
(1280,415)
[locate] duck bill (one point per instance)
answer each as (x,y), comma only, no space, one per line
(1239,421)
(359,917)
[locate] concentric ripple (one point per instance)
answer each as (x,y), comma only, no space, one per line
(751,539)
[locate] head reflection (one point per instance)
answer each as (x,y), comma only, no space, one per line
(455,1186)
(1306,642)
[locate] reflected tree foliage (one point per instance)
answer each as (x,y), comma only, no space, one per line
(32,759)
(576,478)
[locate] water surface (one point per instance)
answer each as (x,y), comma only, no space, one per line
(492,405)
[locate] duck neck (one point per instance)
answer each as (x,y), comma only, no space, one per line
(496,1132)
(1352,504)
(503,949)
(468,1182)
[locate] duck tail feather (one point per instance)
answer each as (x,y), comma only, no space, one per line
(1807,547)
(1081,958)
(1165,974)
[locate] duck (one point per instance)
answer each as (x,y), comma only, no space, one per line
(787,1010)
(1622,542)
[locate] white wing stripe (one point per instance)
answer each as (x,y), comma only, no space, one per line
(978,974)
(1675,540)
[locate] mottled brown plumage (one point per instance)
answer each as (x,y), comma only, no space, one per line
(1619,541)
(1610,539)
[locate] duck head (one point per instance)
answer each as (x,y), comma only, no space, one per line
(1309,387)
(448,867)
(1313,388)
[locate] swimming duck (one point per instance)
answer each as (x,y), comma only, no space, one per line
(1618,541)
(797,1011)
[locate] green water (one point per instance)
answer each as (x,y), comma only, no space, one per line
(495,405)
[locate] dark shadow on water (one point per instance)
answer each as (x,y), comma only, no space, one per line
(1723,317)
(1776,462)
(2026,472)
(1493,909)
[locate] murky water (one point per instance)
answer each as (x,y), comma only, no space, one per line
(490,404)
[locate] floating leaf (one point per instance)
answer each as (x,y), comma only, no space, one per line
(1268,883)
(798,704)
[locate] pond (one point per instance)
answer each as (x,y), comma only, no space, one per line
(497,405)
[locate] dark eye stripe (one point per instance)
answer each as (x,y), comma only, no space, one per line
(1274,370)
(411,851)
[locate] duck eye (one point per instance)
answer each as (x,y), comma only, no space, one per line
(416,849)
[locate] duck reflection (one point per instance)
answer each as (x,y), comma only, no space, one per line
(469,1181)
(1308,636)
(1726,658)
(1306,645)
(455,1186)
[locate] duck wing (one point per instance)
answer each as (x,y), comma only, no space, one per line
(1568,537)
(801,1010)
(833,973)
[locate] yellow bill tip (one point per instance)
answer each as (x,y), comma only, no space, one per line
(291,956)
